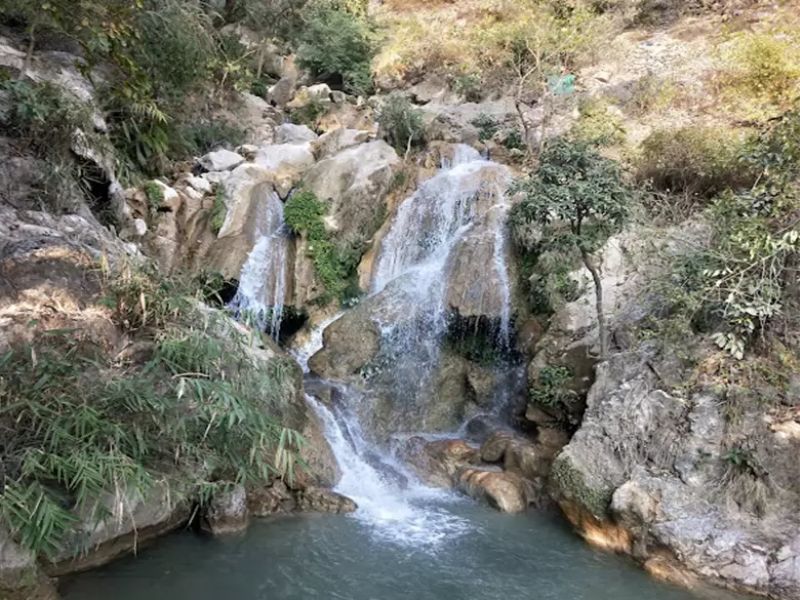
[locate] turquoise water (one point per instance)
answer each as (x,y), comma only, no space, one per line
(492,556)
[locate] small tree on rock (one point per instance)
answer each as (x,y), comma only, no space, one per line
(577,199)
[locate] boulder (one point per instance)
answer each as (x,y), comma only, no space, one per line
(221,160)
(269,500)
(335,141)
(289,133)
(355,184)
(133,519)
(517,455)
(349,344)
(321,500)
(227,512)
(438,462)
(504,491)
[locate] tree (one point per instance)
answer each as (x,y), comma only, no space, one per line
(578,199)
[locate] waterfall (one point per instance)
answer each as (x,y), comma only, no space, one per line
(262,282)
(392,507)
(460,209)
(314,344)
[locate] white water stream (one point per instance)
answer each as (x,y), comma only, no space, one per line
(261,294)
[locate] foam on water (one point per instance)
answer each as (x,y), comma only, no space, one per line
(412,515)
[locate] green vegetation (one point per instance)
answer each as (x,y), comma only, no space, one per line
(577,199)
(763,66)
(401,123)
(309,114)
(597,124)
(571,484)
(336,46)
(44,121)
(219,212)
(486,125)
(736,286)
(154,194)
(695,160)
(82,420)
(335,267)
(551,387)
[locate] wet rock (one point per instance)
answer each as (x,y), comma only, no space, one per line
(517,455)
(270,500)
(227,512)
(504,491)
(349,344)
(133,520)
(438,462)
(221,160)
(315,499)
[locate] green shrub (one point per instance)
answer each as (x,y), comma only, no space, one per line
(401,123)
(199,410)
(219,211)
(486,125)
(335,267)
(597,124)
(469,86)
(337,46)
(309,114)
(154,194)
(765,65)
(695,160)
(42,116)
(551,387)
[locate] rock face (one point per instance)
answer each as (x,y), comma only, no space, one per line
(134,519)
(20,577)
(228,512)
(652,470)
(355,183)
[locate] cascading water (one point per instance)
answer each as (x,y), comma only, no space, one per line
(464,204)
(262,283)
(395,506)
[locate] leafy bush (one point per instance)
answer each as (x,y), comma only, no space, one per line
(401,123)
(597,124)
(765,65)
(651,93)
(335,46)
(219,212)
(738,284)
(695,160)
(469,86)
(486,125)
(198,411)
(309,114)
(154,194)
(551,387)
(335,267)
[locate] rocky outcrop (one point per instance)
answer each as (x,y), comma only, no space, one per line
(134,519)
(350,343)
(354,183)
(502,490)
(281,499)
(687,473)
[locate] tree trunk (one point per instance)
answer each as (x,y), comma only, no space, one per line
(26,66)
(602,332)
